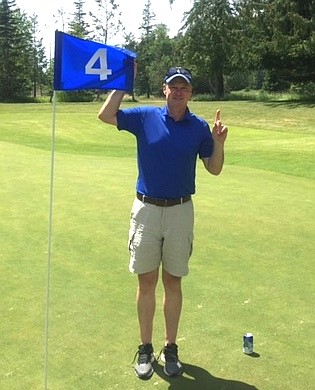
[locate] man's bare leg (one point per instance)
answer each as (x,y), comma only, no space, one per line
(146,303)
(172,305)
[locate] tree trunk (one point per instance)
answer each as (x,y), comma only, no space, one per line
(219,90)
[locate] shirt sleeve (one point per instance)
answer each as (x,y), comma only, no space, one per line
(130,119)
(206,146)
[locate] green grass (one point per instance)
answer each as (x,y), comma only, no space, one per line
(252,268)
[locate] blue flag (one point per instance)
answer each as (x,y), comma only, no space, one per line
(83,64)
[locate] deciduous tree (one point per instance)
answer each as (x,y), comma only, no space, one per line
(106,21)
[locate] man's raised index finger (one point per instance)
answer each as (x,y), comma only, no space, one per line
(217,116)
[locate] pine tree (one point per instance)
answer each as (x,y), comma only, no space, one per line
(145,57)
(38,58)
(14,52)
(78,26)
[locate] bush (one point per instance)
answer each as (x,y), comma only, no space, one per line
(304,89)
(203,97)
(261,96)
(76,96)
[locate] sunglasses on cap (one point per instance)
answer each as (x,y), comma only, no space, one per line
(178,72)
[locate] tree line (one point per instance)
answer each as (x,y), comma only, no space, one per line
(228,45)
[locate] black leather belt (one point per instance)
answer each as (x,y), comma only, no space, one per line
(163,202)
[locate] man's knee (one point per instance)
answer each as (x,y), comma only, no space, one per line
(148,281)
(171,282)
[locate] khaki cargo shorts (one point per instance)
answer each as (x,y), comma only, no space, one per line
(161,235)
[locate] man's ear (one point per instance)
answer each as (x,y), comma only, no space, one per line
(164,89)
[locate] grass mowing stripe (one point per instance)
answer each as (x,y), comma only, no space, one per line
(288,153)
(262,135)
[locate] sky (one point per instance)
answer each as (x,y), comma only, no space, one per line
(131,15)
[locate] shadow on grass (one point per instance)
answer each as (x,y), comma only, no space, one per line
(254,355)
(290,103)
(197,378)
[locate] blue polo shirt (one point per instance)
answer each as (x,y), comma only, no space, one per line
(167,149)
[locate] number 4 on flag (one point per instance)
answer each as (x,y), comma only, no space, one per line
(100,57)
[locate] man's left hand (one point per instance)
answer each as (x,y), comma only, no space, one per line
(219,131)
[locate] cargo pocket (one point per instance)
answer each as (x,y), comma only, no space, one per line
(131,240)
(191,244)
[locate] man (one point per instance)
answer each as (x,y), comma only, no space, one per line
(169,139)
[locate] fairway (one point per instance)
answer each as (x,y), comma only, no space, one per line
(252,269)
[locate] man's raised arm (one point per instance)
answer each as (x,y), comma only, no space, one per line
(109,109)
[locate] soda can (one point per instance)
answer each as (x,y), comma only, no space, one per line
(248,343)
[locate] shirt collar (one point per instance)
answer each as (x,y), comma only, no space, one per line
(187,116)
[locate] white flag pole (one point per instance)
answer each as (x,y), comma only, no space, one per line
(50,223)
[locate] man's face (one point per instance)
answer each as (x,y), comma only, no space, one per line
(178,92)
